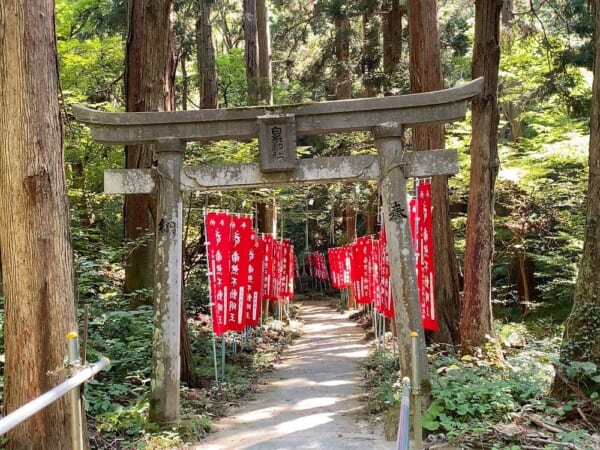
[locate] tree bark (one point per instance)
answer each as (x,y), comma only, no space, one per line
(371,60)
(477,321)
(264,52)
(425,76)
(39,288)
(343,71)
(392,39)
(149,86)
(581,339)
(251,51)
(207,66)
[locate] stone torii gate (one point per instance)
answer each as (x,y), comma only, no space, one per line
(276,128)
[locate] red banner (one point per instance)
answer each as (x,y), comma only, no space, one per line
(267,285)
(286,291)
(217,228)
(255,281)
(430,321)
(276,271)
(386,303)
(240,242)
(362,252)
(423,241)
(335,267)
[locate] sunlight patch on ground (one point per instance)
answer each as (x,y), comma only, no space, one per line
(259,414)
(319,328)
(357,354)
(316,402)
(304,423)
(335,383)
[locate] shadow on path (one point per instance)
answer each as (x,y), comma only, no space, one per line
(313,400)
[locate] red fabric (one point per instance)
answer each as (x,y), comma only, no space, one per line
(287,270)
(386,299)
(276,272)
(426,267)
(255,281)
(240,242)
(335,273)
(267,288)
(217,227)
(362,252)
(347,265)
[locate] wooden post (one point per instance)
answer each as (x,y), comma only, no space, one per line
(164,383)
(403,277)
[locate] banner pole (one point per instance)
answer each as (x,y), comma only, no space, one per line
(375,327)
(223,344)
(214,346)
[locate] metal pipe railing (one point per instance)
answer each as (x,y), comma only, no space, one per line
(404,420)
(29,409)
(416,391)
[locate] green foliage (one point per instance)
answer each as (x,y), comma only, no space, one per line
(92,70)
(381,370)
(232,78)
(470,394)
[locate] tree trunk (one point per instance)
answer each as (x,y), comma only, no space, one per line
(251,51)
(207,66)
(149,87)
(425,76)
(371,60)
(343,70)
(392,40)
(39,288)
(185,81)
(477,322)
(507,13)
(264,52)
(581,339)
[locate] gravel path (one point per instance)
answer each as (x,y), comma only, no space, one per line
(313,399)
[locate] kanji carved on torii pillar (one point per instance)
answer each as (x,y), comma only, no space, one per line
(277,128)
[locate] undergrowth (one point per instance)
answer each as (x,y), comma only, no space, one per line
(495,404)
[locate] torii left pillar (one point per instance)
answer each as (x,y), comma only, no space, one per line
(164,385)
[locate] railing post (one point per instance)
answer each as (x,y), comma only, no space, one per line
(416,391)
(74,364)
(404,419)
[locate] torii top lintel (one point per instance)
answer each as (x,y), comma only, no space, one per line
(310,119)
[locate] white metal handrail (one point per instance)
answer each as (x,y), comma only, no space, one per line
(29,409)
(79,375)
(404,420)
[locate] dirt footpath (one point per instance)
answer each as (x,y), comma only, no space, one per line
(313,399)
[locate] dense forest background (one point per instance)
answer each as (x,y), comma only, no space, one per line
(544,98)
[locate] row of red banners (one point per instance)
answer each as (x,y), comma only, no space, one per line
(364,264)
(317,267)
(244,270)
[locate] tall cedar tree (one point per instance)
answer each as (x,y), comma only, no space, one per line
(426,75)
(207,66)
(39,291)
(476,323)
(264,52)
(392,39)
(581,340)
(251,51)
(149,85)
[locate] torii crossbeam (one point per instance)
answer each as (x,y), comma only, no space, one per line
(277,128)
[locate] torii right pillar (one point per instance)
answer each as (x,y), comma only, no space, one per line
(403,276)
